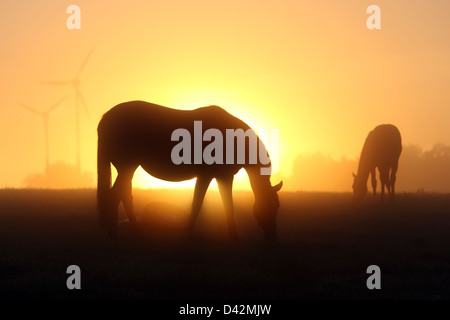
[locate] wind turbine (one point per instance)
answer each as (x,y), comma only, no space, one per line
(75,83)
(45,115)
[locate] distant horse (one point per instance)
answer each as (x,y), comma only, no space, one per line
(139,133)
(381,149)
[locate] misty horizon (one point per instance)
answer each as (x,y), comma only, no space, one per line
(420,170)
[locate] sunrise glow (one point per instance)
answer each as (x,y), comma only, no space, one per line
(311,69)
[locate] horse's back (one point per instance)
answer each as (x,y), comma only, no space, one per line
(389,138)
(159,118)
(384,144)
(388,131)
(134,113)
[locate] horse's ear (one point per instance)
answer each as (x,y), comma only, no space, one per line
(354,175)
(278,186)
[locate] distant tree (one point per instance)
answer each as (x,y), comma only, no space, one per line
(425,170)
(419,171)
(319,172)
(60,175)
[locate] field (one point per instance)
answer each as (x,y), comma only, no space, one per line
(325,246)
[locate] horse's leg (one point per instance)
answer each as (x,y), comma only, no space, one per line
(374,180)
(226,192)
(122,191)
(384,178)
(113,209)
(127,197)
(393,179)
(388,183)
(199,194)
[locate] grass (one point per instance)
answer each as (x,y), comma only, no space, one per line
(325,246)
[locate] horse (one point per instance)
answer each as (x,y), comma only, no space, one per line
(139,133)
(381,150)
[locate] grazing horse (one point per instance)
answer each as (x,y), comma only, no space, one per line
(381,149)
(139,133)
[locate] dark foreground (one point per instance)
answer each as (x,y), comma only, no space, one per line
(325,246)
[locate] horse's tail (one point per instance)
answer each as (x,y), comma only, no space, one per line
(103,182)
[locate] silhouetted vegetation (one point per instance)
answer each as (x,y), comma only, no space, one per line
(60,175)
(419,171)
(320,172)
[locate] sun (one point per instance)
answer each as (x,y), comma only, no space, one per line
(142,180)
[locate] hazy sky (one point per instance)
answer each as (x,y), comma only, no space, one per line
(311,69)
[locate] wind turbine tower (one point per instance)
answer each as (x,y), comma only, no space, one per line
(79,99)
(45,115)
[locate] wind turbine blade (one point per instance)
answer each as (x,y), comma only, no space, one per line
(55,83)
(56,104)
(30,109)
(84,63)
(83,102)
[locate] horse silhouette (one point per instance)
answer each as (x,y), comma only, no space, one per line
(381,149)
(138,133)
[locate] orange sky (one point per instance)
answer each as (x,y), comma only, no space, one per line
(311,69)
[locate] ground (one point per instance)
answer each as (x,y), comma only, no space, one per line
(325,246)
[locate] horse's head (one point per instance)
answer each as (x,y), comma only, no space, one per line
(266,209)
(359,187)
